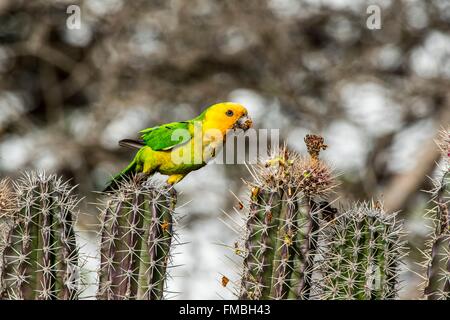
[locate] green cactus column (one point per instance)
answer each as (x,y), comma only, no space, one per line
(361,255)
(136,240)
(282,225)
(40,260)
(261,245)
(438,268)
(437,284)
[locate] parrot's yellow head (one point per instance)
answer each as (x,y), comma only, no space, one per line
(227,115)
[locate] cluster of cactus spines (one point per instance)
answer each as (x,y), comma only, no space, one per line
(40,260)
(282,225)
(437,281)
(7,205)
(7,202)
(361,253)
(137,237)
(444,145)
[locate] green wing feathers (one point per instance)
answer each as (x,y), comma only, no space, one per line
(166,137)
(159,138)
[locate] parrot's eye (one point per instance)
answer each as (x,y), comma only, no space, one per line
(229,113)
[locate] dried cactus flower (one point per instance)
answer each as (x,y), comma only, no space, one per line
(298,173)
(40,259)
(315,144)
(137,238)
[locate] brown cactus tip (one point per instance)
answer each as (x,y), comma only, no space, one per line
(378,205)
(315,144)
(313,177)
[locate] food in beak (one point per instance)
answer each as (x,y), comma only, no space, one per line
(244,123)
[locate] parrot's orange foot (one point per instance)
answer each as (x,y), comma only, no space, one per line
(175,178)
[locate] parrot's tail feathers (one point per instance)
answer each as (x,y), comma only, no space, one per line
(131,144)
(118,178)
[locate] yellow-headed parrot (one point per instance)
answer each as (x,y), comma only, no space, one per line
(177,148)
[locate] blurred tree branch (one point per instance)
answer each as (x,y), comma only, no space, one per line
(403,186)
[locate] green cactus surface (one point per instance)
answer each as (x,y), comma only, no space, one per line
(281,229)
(40,260)
(437,257)
(361,255)
(137,237)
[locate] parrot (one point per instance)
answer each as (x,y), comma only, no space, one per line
(178,148)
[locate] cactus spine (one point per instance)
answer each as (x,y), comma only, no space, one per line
(7,202)
(136,240)
(361,254)
(7,205)
(282,225)
(438,255)
(40,260)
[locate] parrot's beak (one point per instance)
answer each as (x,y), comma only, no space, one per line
(244,123)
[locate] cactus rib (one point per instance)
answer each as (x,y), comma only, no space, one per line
(437,284)
(361,254)
(136,239)
(41,256)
